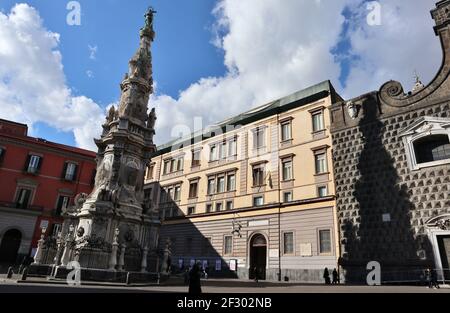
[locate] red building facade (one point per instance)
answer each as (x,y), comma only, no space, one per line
(38,180)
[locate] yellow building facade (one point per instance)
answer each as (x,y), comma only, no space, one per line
(254,195)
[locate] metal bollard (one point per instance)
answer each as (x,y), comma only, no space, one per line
(10,273)
(128,278)
(25,273)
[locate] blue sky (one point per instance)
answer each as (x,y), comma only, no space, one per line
(211,59)
(182,50)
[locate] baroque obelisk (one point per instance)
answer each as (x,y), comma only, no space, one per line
(113,228)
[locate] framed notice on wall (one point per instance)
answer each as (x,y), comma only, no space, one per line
(180,263)
(233,265)
(218,265)
(192,262)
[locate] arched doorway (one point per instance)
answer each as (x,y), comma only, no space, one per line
(258,257)
(10,245)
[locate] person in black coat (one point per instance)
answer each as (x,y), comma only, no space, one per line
(326,276)
(194,280)
(335,277)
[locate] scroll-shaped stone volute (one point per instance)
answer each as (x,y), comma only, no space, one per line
(392,93)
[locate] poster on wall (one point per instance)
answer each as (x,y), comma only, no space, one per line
(205,264)
(233,265)
(218,265)
(191,263)
(180,263)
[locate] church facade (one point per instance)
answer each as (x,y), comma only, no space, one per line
(391,155)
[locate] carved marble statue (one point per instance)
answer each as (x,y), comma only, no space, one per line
(124,149)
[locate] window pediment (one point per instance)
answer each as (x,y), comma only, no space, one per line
(425,125)
(427,142)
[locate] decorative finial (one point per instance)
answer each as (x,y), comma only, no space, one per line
(418,84)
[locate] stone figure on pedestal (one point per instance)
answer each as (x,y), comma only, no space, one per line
(167,258)
(116,204)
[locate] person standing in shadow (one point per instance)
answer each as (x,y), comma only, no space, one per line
(194,280)
(335,277)
(326,276)
(434,279)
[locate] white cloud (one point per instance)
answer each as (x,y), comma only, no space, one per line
(270,50)
(32,81)
(90,74)
(273,48)
(404,42)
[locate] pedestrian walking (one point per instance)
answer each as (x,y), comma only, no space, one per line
(335,277)
(255,271)
(326,276)
(186,276)
(194,280)
(434,280)
(428,278)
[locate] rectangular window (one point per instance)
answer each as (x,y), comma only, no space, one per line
(207,246)
(150,171)
(218,206)
(180,164)
(288,243)
(287,196)
(258,138)
(228,245)
(322,191)
(34,163)
(70,171)
(286,131)
(208,208)
(193,189)
(173,165)
(196,158)
(231,182)
(221,184)
(2,153)
(317,120)
(23,198)
(148,194)
(191,210)
(321,163)
(56,229)
(229,205)
(325,241)
(287,169)
(223,150)
(166,167)
(211,185)
(177,193)
(258,175)
(170,194)
(258,201)
(213,153)
(232,148)
(63,204)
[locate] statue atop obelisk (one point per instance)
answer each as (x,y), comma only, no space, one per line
(116,204)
